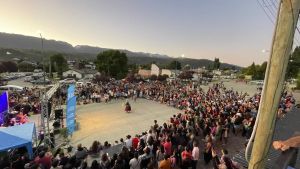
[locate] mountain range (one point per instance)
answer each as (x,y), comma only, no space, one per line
(29,47)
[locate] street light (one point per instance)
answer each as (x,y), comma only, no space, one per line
(43,59)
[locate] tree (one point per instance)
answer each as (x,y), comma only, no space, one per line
(130,77)
(81,64)
(217,63)
(174,65)
(58,64)
(133,68)
(153,77)
(162,77)
(2,68)
(256,71)
(113,63)
(186,67)
(146,66)
(251,70)
(25,67)
(298,82)
(293,67)
(100,78)
(261,71)
(10,66)
(186,75)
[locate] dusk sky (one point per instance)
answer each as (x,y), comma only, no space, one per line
(236,31)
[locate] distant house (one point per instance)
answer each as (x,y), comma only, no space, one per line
(166,72)
(28,62)
(155,70)
(90,66)
(73,74)
(79,74)
(248,77)
(217,72)
(144,73)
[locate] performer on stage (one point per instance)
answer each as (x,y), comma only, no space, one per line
(127,107)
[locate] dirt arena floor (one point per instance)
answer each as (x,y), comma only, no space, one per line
(109,122)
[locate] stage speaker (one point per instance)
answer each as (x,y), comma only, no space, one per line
(58,113)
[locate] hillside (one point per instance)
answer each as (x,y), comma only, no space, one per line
(29,48)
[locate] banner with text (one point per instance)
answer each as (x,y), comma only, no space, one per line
(71,108)
(3,107)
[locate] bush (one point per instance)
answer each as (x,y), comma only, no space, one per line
(298,82)
(153,77)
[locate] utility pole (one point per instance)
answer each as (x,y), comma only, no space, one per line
(43,59)
(274,79)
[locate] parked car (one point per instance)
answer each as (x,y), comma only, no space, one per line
(41,81)
(28,79)
(11,88)
(68,81)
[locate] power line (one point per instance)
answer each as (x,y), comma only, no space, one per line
(271,13)
(269,7)
(267,14)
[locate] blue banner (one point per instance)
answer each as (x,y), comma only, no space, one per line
(71,108)
(4,106)
(71,91)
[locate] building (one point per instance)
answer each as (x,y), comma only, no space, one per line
(217,72)
(155,70)
(73,74)
(166,72)
(90,66)
(144,73)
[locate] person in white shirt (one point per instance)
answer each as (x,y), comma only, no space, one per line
(195,155)
(134,163)
(128,142)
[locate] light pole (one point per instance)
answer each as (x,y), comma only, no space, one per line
(44,102)
(43,59)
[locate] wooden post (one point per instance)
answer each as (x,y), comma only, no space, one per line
(274,79)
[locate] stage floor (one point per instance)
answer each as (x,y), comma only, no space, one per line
(109,122)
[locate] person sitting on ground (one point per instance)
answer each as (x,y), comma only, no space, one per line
(81,152)
(55,164)
(95,165)
(105,162)
(95,148)
(289,143)
(224,162)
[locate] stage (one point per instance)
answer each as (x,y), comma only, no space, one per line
(109,122)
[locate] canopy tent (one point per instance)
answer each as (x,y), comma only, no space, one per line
(18,136)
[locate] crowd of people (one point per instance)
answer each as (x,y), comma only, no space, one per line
(208,117)
(21,105)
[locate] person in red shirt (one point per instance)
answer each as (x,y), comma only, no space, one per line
(135,142)
(43,159)
(168,147)
(186,157)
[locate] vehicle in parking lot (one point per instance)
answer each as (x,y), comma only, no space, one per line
(41,81)
(68,81)
(28,79)
(11,88)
